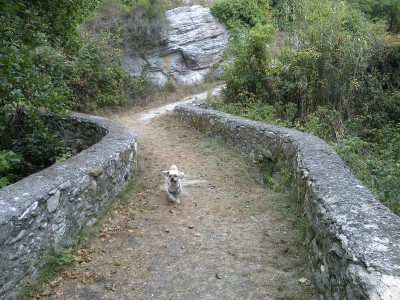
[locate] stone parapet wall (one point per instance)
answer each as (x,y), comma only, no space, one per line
(52,206)
(352,240)
(79,134)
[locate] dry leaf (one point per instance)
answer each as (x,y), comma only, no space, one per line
(116,262)
(58,294)
(303,280)
(46,292)
(111,287)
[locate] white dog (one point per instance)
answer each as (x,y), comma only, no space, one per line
(174,185)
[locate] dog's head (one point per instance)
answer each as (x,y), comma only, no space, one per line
(173,175)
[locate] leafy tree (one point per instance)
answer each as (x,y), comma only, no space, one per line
(389,10)
(49,64)
(242,13)
(37,38)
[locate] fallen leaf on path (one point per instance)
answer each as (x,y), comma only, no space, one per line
(116,262)
(58,294)
(46,292)
(55,282)
(70,275)
(303,280)
(111,287)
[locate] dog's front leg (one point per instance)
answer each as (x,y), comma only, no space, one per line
(173,198)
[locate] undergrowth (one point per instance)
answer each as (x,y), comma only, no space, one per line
(324,68)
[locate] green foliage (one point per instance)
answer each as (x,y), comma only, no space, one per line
(32,84)
(95,74)
(331,72)
(28,21)
(52,262)
(59,257)
(138,89)
(141,24)
(376,163)
(388,10)
(170,85)
(243,13)
(7,160)
(325,122)
(246,76)
(256,111)
(146,26)
(276,176)
(109,16)
(46,68)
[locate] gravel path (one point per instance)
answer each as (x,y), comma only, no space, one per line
(231,238)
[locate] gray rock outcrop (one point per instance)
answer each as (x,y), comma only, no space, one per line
(193,43)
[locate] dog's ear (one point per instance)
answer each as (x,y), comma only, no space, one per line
(181,175)
(165,173)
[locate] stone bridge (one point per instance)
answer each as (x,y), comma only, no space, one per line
(352,239)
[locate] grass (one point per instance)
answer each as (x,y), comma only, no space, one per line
(52,263)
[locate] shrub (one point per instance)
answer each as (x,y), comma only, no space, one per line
(140,24)
(388,10)
(7,160)
(329,71)
(245,75)
(45,70)
(325,122)
(146,26)
(376,164)
(243,13)
(96,75)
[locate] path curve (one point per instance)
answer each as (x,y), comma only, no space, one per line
(230,238)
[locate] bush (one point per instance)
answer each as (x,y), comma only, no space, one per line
(387,10)
(243,13)
(245,75)
(7,160)
(47,69)
(96,75)
(329,71)
(140,24)
(325,122)
(376,164)
(146,26)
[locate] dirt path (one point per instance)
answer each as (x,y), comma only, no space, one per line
(229,239)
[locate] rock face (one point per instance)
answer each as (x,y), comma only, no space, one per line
(194,42)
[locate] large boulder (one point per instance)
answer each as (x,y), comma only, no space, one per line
(194,42)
